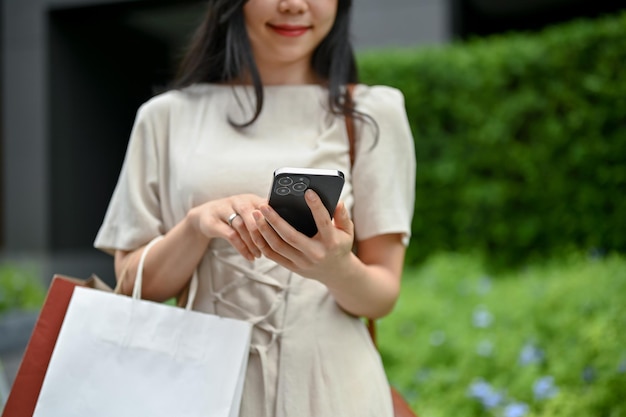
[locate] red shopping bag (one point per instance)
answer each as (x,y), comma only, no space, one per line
(30,375)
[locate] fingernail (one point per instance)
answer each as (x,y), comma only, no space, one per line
(310,195)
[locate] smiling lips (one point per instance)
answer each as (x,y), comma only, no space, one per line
(289,30)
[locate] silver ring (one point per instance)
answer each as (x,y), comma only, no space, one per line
(231,218)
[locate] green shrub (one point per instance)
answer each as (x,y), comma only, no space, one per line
(520,140)
(20,289)
(460,341)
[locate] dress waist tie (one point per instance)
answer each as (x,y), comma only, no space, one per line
(261,321)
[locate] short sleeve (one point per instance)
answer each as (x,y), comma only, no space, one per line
(383,174)
(133,216)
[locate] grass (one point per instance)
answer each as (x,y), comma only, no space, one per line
(20,289)
(545,341)
(548,340)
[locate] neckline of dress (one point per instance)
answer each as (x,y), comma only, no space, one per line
(265,87)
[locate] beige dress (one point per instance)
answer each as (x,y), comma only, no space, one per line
(308,357)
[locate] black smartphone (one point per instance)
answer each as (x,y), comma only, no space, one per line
(287,194)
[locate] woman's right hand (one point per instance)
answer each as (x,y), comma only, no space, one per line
(211,219)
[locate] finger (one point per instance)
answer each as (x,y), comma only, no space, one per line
(241,226)
(270,242)
(342,219)
(285,231)
(262,229)
(233,237)
(320,213)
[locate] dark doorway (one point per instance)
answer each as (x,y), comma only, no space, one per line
(104,62)
(473,18)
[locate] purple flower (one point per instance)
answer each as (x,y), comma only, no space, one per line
(515,410)
(484,285)
(596,254)
(485,348)
(530,354)
(422,375)
(544,388)
(485,393)
(437,338)
(482,317)
(589,374)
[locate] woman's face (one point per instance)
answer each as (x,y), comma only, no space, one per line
(284,33)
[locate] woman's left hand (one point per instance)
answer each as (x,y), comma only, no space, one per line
(324,255)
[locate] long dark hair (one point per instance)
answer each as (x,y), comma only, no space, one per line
(220,52)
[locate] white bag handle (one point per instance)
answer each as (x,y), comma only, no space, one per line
(193,286)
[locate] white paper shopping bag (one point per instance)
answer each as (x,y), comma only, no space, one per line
(118,356)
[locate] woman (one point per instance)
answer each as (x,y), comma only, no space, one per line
(263,87)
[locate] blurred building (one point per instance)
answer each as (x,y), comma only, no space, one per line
(74,74)
(75,71)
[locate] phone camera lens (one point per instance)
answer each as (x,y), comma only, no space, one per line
(282,191)
(299,187)
(285,181)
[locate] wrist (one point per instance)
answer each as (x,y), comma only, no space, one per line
(192,227)
(345,273)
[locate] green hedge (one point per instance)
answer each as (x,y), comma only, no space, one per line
(520,140)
